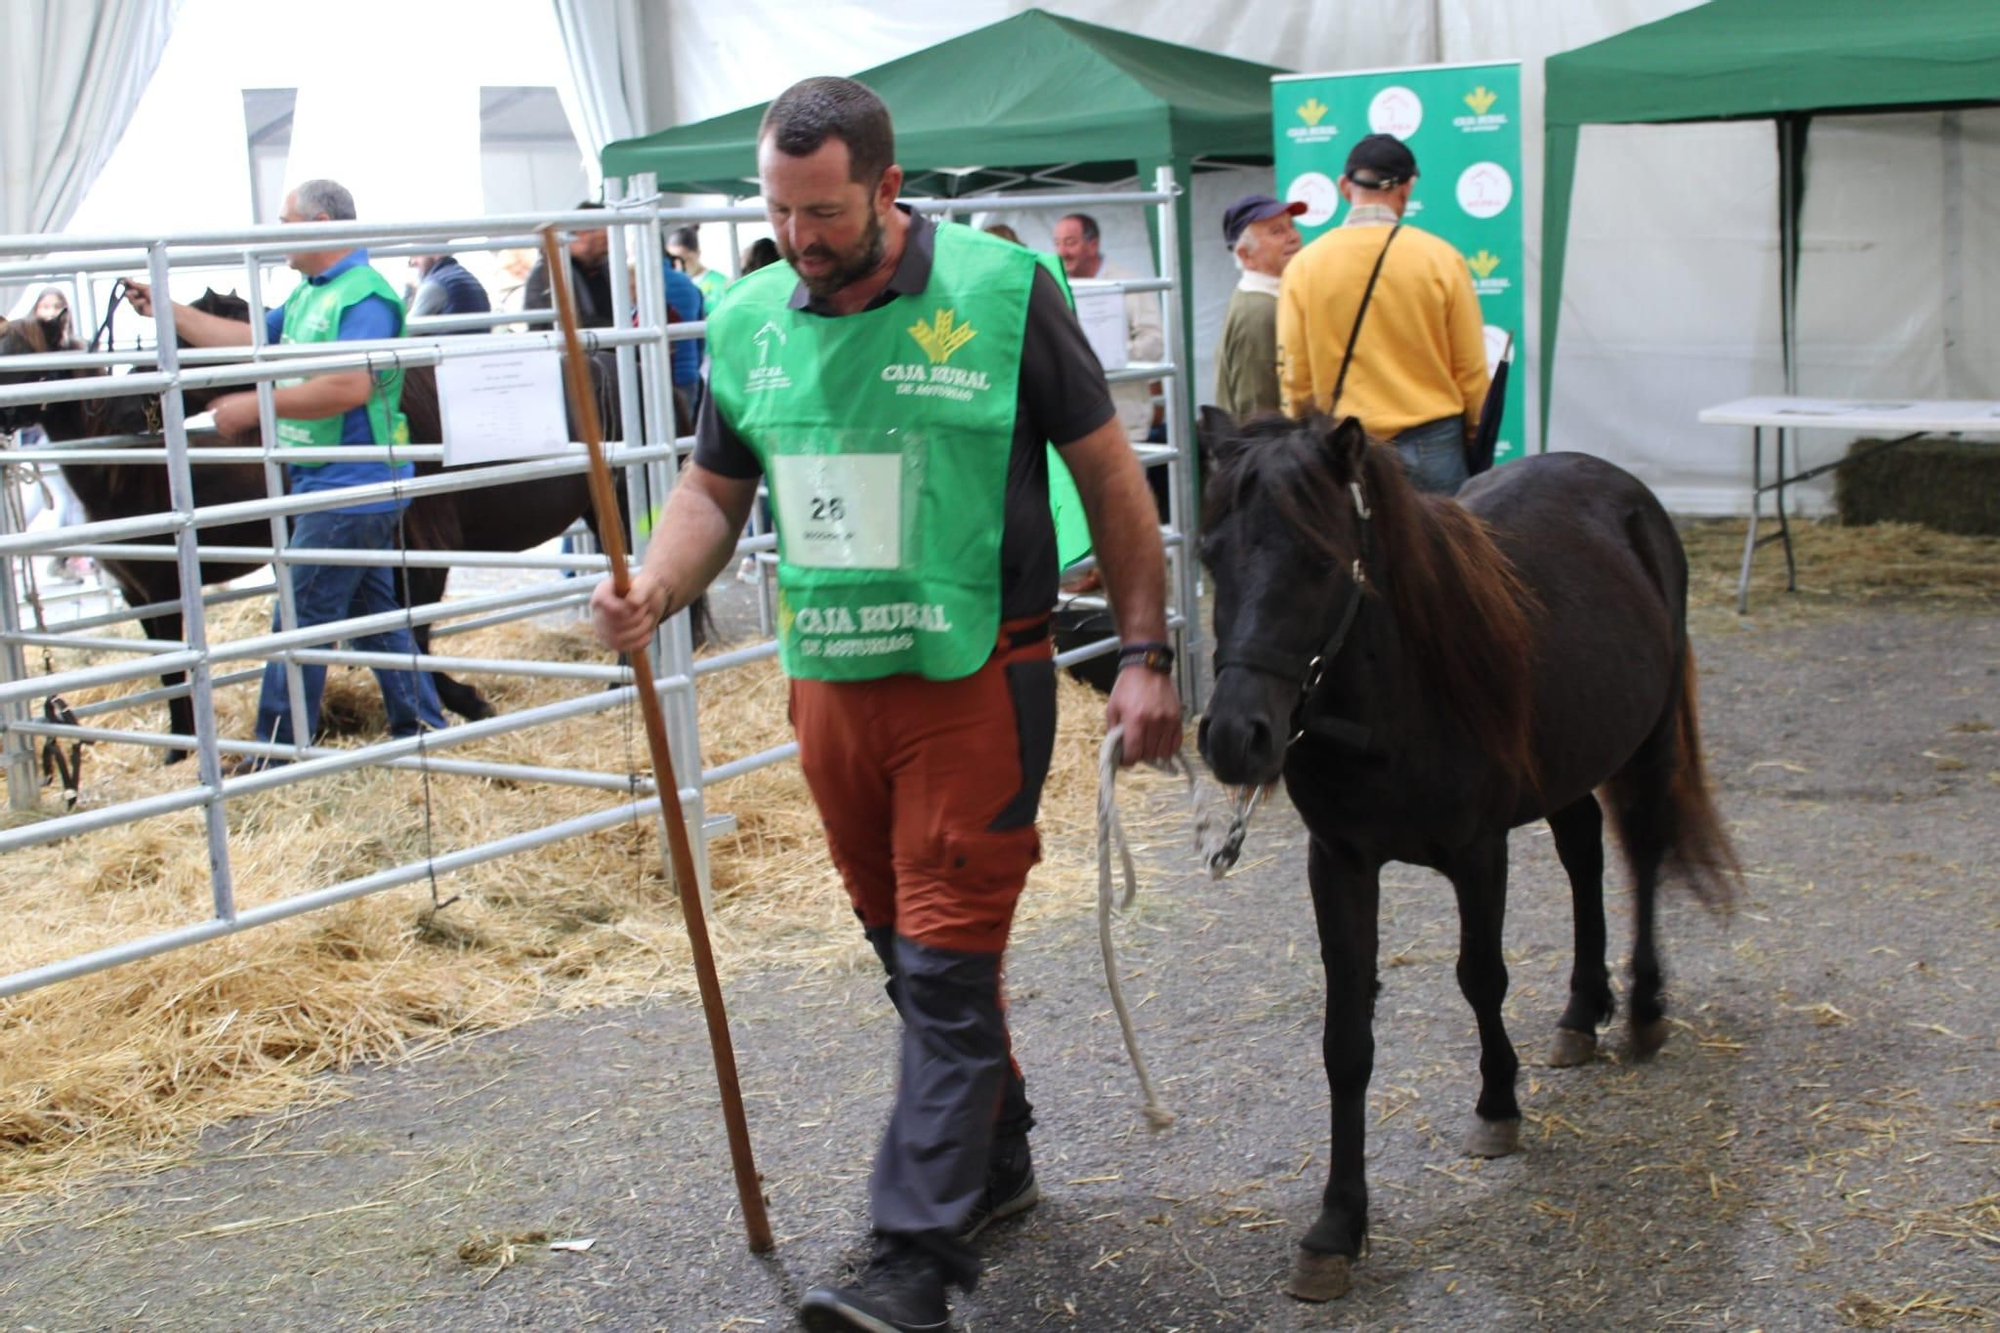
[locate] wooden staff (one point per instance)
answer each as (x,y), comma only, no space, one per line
(681,862)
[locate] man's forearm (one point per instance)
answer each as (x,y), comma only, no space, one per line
(696,535)
(322,396)
(206,330)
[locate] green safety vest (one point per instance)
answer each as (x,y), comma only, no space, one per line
(710,285)
(312,315)
(885,436)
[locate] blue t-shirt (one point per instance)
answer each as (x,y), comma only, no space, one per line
(370,317)
(685,299)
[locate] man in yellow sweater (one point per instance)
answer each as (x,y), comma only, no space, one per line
(1417,376)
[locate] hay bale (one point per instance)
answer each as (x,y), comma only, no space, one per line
(1945,484)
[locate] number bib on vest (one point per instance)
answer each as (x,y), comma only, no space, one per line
(886,436)
(846,510)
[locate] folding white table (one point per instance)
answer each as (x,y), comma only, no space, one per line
(1907,419)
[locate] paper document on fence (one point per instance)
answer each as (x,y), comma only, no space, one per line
(1101,312)
(502,405)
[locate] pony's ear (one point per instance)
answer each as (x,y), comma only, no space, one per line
(1347,442)
(1215,433)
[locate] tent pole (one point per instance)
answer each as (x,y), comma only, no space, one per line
(1792,128)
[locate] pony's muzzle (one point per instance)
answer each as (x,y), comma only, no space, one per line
(1241,748)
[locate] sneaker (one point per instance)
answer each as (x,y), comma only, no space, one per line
(901,1291)
(746,572)
(1010,1188)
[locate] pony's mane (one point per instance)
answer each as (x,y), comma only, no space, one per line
(1457,600)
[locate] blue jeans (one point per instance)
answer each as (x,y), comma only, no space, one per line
(322,593)
(1434,455)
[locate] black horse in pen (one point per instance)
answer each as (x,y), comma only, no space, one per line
(516,516)
(1426,674)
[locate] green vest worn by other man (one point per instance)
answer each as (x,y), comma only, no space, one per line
(312,315)
(885,436)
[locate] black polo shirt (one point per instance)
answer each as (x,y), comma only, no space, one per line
(1063,397)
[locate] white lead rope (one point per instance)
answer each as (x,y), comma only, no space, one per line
(1219,839)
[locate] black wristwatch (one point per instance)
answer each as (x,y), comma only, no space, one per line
(1153,656)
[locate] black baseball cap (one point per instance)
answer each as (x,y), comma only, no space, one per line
(1254,208)
(1386,159)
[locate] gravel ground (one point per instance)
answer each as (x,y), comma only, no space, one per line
(1818,1146)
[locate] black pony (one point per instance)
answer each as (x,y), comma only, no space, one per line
(512,517)
(1426,675)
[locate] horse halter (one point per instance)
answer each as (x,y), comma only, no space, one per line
(1309,674)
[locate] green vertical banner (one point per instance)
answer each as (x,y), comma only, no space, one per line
(1462,122)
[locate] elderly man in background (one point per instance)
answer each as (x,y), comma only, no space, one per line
(341,299)
(1412,366)
(1145,340)
(1261,232)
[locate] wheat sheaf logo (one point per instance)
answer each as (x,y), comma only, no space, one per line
(1313,111)
(1481,100)
(943,336)
(1483,263)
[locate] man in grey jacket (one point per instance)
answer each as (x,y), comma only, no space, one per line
(1261,232)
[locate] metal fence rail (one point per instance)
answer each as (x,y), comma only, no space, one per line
(640,341)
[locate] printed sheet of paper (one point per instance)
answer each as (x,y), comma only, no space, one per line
(502,405)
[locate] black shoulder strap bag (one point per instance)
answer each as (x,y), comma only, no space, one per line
(1347,360)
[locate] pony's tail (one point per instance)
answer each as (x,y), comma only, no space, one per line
(1662,808)
(1700,853)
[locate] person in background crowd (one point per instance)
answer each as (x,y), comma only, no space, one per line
(1260,231)
(446,287)
(685,247)
(52,309)
(342,299)
(923,683)
(1418,373)
(53,313)
(588,254)
(685,305)
(1145,340)
(1003,231)
(762,252)
(511,287)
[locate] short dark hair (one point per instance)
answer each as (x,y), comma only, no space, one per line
(1084,220)
(687,238)
(812,111)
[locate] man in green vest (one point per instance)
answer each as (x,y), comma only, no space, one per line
(341,299)
(685,247)
(896,381)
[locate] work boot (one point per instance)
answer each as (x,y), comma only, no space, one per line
(1010,1186)
(901,1291)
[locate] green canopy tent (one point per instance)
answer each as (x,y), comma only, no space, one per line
(1782,60)
(1032,102)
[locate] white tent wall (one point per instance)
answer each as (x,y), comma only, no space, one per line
(75,72)
(1670,300)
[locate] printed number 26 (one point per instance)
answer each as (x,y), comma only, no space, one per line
(828,509)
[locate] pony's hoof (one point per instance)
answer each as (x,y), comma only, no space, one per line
(1493,1138)
(1572,1048)
(1648,1038)
(1320,1277)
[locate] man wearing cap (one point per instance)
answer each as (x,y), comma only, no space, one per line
(1417,374)
(1260,230)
